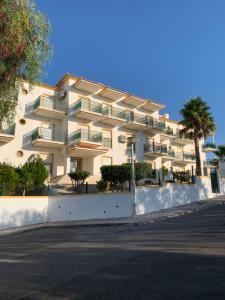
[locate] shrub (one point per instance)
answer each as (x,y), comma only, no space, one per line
(115,174)
(78,178)
(8,178)
(182,176)
(102,185)
(165,171)
(32,175)
(119,174)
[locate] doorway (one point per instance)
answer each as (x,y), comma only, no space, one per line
(76,164)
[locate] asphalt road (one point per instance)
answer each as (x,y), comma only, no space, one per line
(180,258)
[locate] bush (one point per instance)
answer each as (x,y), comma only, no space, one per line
(102,185)
(8,178)
(32,175)
(78,178)
(119,174)
(182,176)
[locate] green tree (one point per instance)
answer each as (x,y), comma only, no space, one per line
(24,49)
(8,178)
(198,124)
(220,152)
(78,178)
(32,175)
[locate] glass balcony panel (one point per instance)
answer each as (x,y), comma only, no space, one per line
(47,134)
(50,102)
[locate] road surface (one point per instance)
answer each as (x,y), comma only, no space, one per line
(179,258)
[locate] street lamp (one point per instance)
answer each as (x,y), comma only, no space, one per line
(131,141)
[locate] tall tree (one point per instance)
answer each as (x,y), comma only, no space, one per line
(24,49)
(198,123)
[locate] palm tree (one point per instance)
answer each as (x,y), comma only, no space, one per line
(198,123)
(220,152)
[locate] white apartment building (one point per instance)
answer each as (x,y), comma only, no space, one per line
(81,125)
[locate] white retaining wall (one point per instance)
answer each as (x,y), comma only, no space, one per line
(99,206)
(153,199)
(21,211)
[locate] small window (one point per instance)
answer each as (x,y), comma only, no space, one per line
(19,153)
(22,121)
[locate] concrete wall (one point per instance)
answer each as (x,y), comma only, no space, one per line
(154,199)
(101,206)
(21,211)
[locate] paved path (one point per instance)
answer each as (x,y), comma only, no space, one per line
(174,258)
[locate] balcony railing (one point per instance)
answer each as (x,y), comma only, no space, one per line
(171,153)
(209,146)
(10,130)
(83,135)
(50,102)
(88,105)
(156,124)
(189,156)
(155,148)
(182,136)
(47,134)
(133,117)
(169,131)
(114,112)
(185,156)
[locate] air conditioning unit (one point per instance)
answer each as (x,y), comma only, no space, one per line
(122,139)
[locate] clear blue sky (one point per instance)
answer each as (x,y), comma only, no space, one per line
(165,50)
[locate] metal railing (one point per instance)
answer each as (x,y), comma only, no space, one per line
(10,130)
(209,145)
(171,153)
(89,136)
(88,105)
(155,148)
(47,134)
(50,102)
(114,112)
(184,156)
(137,118)
(86,135)
(169,131)
(157,124)
(182,136)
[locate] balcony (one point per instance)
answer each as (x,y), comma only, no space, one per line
(50,107)
(84,108)
(8,134)
(45,137)
(155,126)
(84,143)
(167,134)
(169,155)
(135,121)
(155,150)
(114,116)
(181,139)
(209,147)
(184,158)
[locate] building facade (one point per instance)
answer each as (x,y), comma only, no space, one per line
(81,125)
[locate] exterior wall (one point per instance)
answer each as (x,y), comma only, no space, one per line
(89,207)
(69,124)
(23,133)
(154,199)
(21,211)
